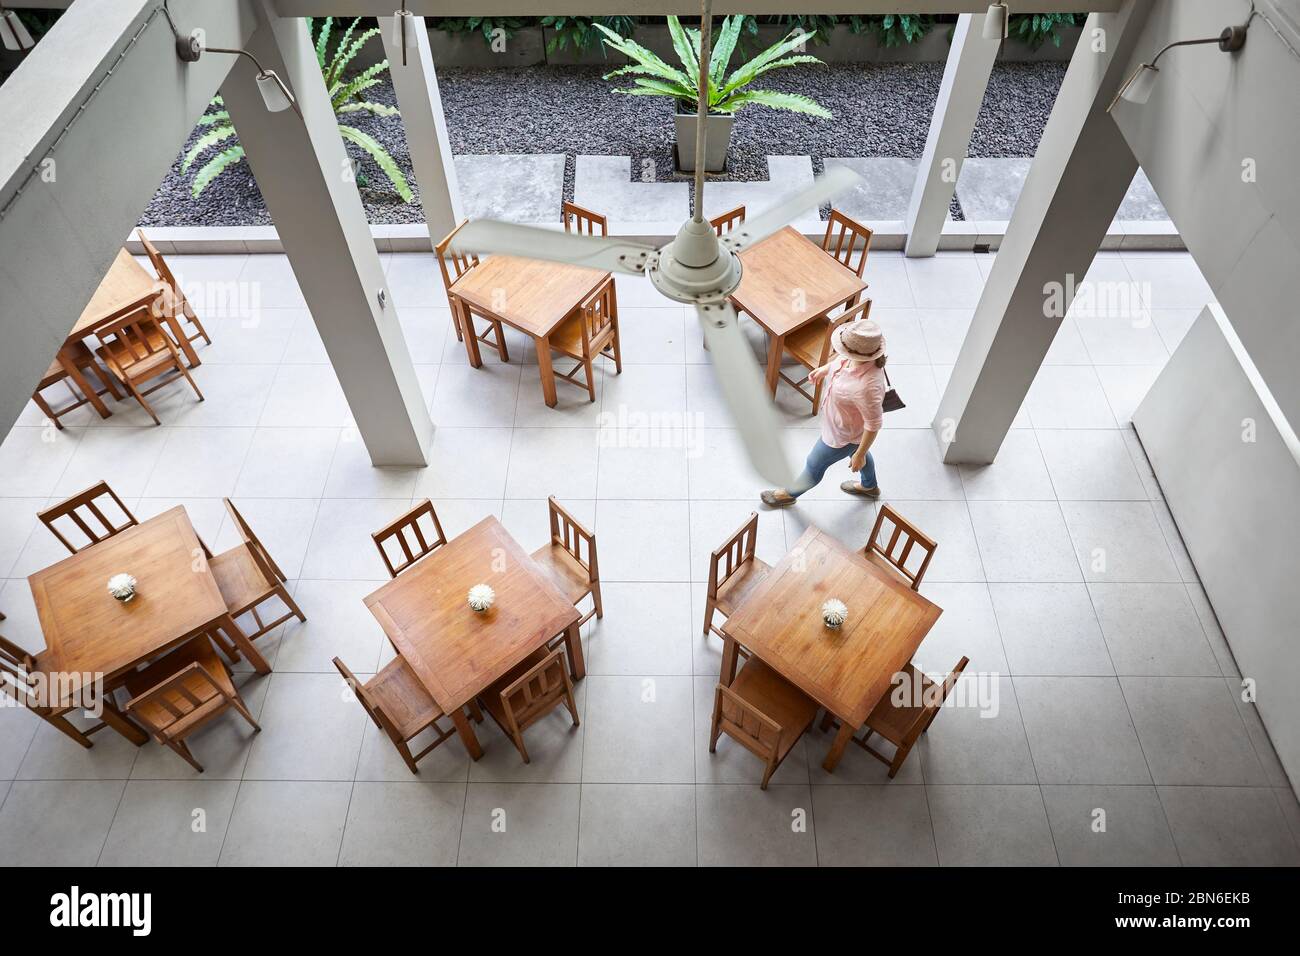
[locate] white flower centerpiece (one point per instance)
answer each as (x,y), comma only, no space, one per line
(122,587)
(481,597)
(834,612)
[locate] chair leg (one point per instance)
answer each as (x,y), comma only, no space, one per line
(238,704)
(618,351)
(291,604)
(186,372)
(46,410)
(523,751)
(63,724)
(596,601)
(180,747)
(767,774)
(570,703)
(405,751)
(591,379)
(194,321)
(501,342)
(105,379)
(900,754)
(135,393)
(709,610)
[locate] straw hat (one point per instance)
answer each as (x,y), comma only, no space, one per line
(860,339)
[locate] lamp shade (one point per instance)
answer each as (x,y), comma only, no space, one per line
(404,28)
(276,97)
(12,32)
(1139,87)
(995,22)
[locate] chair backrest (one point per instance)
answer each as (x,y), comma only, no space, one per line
(728,220)
(453,263)
(139,336)
(174,698)
(934,697)
(367,701)
(265,563)
(733,554)
(745,723)
(599,312)
(15,666)
(901,544)
(416,533)
(583,221)
(97,512)
(570,534)
(847,242)
(537,691)
(164,271)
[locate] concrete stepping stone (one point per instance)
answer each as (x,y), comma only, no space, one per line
(517,187)
(786,175)
(988,188)
(604,184)
(883,194)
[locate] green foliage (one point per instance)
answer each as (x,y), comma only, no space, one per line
(1035,29)
(581,33)
(819,25)
(893,29)
(333,56)
(485,26)
(726,91)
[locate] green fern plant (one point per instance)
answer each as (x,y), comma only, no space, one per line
(893,29)
(726,91)
(579,32)
(1035,29)
(345,95)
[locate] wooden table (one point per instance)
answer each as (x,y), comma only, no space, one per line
(847,670)
(88,631)
(126,287)
(788,282)
(528,294)
(456,652)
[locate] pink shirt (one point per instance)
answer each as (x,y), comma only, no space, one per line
(851,402)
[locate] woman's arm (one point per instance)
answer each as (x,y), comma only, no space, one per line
(859,457)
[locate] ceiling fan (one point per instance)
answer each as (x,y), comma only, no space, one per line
(697,267)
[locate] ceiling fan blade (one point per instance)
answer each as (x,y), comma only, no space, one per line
(744,392)
(831,183)
(533,242)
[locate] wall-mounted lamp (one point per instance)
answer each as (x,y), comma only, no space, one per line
(404,22)
(13,34)
(995,21)
(1137,88)
(275,94)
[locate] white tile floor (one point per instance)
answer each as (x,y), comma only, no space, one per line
(1116,690)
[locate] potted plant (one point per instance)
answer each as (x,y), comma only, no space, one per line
(726,91)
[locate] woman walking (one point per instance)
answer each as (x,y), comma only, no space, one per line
(852,413)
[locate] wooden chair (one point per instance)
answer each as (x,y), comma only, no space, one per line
(400,706)
(591,331)
(893,555)
(247,577)
(847,241)
(763,712)
(902,723)
(16,668)
(182,692)
(84,360)
(528,693)
(585,221)
(414,540)
(454,265)
(136,350)
(734,572)
(563,560)
(810,346)
(175,299)
(91,513)
(728,220)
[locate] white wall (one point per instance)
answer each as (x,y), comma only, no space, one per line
(1213,119)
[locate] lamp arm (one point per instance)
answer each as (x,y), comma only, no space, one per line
(263,71)
(1169,47)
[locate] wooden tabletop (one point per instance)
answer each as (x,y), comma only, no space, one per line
(788,281)
(532,295)
(846,670)
(457,652)
(127,286)
(87,630)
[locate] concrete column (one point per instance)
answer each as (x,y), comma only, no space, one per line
(306,177)
(1074,187)
(416,85)
(965,78)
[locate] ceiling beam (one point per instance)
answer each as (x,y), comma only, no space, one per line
(520,8)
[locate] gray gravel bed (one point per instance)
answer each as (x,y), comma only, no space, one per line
(880,110)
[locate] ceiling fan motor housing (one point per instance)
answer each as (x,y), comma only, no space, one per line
(695,267)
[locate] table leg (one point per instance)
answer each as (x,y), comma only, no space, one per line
(573,641)
(728,673)
(546,370)
(837,748)
(245,646)
(466,731)
(80,381)
(182,342)
(123,725)
(775,349)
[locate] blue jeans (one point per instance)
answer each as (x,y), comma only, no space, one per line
(822,457)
